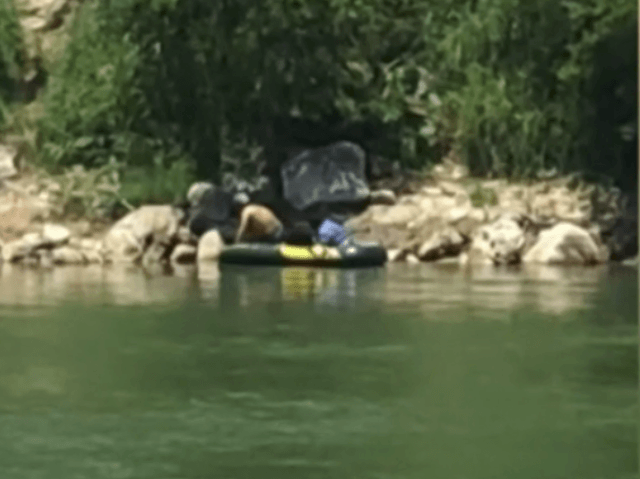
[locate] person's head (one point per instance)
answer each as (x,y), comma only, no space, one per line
(199,191)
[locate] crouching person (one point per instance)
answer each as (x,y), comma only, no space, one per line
(259,223)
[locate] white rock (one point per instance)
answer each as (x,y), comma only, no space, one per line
(412,259)
(89,244)
(184,254)
(393,255)
(67,255)
(153,225)
(566,243)
(210,246)
(467,220)
(458,213)
(431,191)
(21,248)
(8,155)
(156,221)
(498,242)
(34,24)
(55,234)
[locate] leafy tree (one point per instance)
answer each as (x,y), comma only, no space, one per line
(510,86)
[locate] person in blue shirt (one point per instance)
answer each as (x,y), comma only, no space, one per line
(332,233)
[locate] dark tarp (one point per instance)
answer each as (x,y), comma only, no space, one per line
(335,173)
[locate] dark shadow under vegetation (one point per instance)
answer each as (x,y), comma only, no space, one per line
(509,87)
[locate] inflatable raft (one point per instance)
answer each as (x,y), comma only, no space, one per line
(354,255)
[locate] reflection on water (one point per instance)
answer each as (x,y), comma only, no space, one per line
(394,373)
(548,289)
(553,290)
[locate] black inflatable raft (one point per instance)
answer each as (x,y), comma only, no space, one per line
(355,255)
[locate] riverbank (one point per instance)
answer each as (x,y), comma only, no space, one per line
(445,216)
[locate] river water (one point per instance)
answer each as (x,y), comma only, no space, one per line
(408,371)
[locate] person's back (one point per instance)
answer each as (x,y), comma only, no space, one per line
(258,223)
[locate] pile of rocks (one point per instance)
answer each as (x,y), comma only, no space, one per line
(545,222)
(52,245)
(147,235)
(447,217)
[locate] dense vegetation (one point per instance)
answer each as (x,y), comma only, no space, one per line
(11,57)
(174,89)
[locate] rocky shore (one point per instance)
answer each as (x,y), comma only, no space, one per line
(446,217)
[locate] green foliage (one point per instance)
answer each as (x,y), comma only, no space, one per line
(156,184)
(512,86)
(11,56)
(481,196)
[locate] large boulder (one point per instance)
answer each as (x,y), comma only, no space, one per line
(566,243)
(139,230)
(332,174)
(22,248)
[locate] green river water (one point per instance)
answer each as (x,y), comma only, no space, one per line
(408,371)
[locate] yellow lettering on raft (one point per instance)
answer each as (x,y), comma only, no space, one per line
(308,252)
